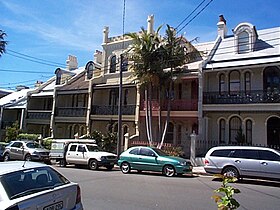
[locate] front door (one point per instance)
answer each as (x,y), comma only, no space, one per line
(273,131)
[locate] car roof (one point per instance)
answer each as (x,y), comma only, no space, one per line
(242,147)
(12,166)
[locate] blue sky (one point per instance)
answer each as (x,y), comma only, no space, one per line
(51,30)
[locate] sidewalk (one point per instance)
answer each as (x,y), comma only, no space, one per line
(199,170)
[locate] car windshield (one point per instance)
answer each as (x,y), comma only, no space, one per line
(160,152)
(29,181)
(93,148)
(33,145)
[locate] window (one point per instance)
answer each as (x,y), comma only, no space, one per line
(73,148)
(134,151)
(147,152)
(249,125)
(243,42)
(246,154)
(247,82)
(124,63)
(89,69)
(222,84)
(268,155)
(234,129)
(272,79)
(221,153)
(113,64)
(222,131)
(234,82)
(81,148)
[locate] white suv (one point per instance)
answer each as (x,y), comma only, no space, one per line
(243,161)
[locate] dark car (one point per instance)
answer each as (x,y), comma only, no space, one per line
(152,159)
(2,149)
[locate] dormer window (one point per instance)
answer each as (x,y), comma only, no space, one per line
(245,36)
(113,62)
(58,76)
(89,69)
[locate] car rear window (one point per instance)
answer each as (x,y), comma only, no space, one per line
(29,181)
(246,154)
(221,153)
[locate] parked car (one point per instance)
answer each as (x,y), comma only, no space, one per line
(2,148)
(25,150)
(243,161)
(143,158)
(33,185)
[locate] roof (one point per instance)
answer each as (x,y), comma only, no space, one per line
(12,166)
(16,99)
(266,50)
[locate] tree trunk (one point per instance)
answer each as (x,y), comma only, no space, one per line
(146,116)
(150,112)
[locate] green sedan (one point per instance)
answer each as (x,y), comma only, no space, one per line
(143,158)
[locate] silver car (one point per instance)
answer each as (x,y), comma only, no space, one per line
(243,161)
(32,185)
(25,150)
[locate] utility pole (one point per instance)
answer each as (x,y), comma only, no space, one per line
(119,143)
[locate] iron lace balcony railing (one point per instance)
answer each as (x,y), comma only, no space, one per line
(71,111)
(112,110)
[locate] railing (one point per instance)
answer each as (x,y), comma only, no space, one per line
(39,115)
(175,105)
(71,111)
(241,97)
(112,110)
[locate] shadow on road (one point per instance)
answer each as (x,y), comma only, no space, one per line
(270,183)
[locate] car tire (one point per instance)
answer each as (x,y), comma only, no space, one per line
(231,171)
(93,165)
(169,170)
(125,167)
(6,157)
(110,167)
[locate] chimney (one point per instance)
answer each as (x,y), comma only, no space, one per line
(72,62)
(150,27)
(222,27)
(97,57)
(105,34)
(38,84)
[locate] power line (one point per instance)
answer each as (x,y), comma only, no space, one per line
(189,15)
(195,16)
(24,71)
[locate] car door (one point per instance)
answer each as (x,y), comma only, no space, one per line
(82,154)
(269,164)
(71,153)
(147,160)
(16,151)
(247,161)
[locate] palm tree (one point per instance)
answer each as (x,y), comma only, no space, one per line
(146,66)
(2,42)
(176,51)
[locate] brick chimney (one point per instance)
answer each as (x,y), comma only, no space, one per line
(222,27)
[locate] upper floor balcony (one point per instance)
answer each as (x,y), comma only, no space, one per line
(176,105)
(39,114)
(113,110)
(241,97)
(71,111)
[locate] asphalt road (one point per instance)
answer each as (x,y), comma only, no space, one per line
(106,190)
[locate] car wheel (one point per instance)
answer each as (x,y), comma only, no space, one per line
(231,171)
(27,157)
(125,167)
(169,170)
(7,157)
(110,167)
(93,165)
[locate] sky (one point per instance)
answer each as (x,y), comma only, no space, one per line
(42,33)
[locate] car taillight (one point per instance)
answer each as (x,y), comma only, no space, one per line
(78,197)
(206,162)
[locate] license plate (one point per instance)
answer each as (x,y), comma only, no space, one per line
(55,206)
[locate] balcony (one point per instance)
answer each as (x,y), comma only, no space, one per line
(71,111)
(242,97)
(113,110)
(39,114)
(176,105)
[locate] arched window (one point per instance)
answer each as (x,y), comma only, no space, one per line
(249,126)
(247,82)
(89,69)
(234,82)
(113,63)
(222,86)
(243,42)
(125,130)
(222,131)
(272,79)
(234,129)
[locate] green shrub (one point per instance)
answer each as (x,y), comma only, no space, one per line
(28,136)
(173,151)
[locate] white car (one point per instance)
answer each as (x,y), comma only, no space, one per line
(33,185)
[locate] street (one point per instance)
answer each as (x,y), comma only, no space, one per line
(108,190)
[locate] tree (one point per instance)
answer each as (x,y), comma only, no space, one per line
(12,132)
(146,66)
(2,42)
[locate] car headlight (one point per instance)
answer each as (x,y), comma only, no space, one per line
(103,158)
(183,163)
